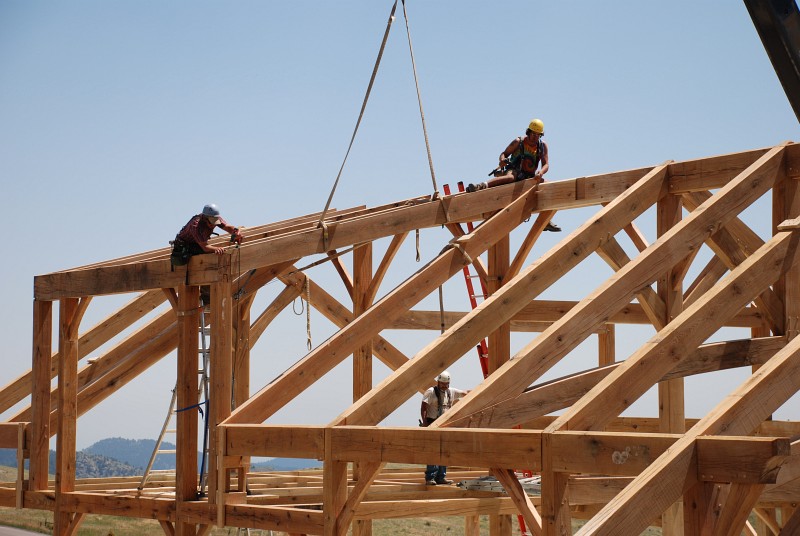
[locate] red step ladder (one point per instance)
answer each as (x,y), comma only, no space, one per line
(483,346)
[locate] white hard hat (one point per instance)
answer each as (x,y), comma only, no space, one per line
(444,377)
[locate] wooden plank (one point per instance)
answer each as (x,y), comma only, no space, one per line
(606,453)
(537,357)
(276,441)
(710,173)
(476,448)
(275,518)
(434,507)
(255,253)
(497,309)
(541,313)
(162,508)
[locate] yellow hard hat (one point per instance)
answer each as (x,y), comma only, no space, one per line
(537,126)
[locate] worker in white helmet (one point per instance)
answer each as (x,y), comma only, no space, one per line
(435,402)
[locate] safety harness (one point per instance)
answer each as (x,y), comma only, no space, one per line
(521,159)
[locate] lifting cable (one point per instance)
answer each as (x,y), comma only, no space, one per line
(360,116)
(421,113)
(435,194)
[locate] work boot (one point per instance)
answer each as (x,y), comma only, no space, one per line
(444,482)
(475,187)
(553,228)
(430,482)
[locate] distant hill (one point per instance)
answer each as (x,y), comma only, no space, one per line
(86,465)
(286,464)
(134,452)
(128,457)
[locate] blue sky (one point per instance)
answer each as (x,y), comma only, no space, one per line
(119,120)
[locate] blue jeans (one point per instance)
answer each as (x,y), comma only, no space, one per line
(436,473)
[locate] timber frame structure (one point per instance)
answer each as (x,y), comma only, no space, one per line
(691,477)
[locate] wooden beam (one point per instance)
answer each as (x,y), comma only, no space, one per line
(500,307)
(186,478)
(563,336)
(561,393)
(366,326)
(527,243)
(90,341)
(508,478)
(733,243)
(707,278)
(40,394)
(663,482)
(383,267)
(669,346)
(283,299)
(221,363)
(652,304)
(69,318)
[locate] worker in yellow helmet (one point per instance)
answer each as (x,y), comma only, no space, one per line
(520,161)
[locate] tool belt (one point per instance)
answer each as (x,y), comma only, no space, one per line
(181,253)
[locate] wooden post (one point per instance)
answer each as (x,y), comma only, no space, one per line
(362,357)
(40,394)
(221,362)
(334,490)
(241,369)
(499,348)
(67,396)
(556,519)
(786,205)
(500,339)
(186,386)
(671,392)
(606,342)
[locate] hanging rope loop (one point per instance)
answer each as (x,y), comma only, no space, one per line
(308,314)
